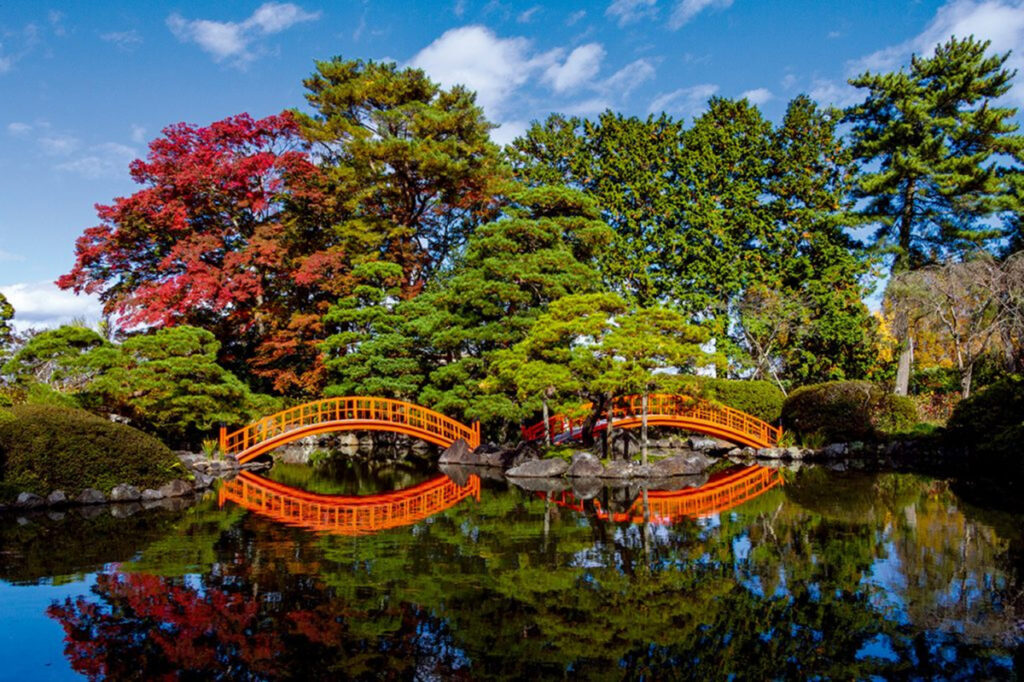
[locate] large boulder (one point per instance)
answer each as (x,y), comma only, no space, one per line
(125,493)
(57,499)
(91,496)
(176,488)
(539,468)
(150,495)
(619,468)
(29,501)
(584,465)
(459,453)
(681,465)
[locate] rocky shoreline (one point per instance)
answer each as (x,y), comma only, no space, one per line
(204,470)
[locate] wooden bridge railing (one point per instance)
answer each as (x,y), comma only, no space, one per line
(670,410)
(346,515)
(341,414)
(668,506)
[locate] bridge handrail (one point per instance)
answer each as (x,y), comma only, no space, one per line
(667,404)
(348,409)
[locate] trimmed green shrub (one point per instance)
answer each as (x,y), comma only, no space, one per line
(839,411)
(45,448)
(762,399)
(992,421)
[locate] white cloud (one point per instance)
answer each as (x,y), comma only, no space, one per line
(459,8)
(527,15)
(685,10)
(103,161)
(138,134)
(588,107)
(830,93)
(59,145)
(575,17)
(1000,21)
(126,40)
(788,81)
(227,39)
(580,66)
(508,131)
(8,256)
(56,20)
(491,66)
(6,64)
(758,96)
(832,35)
(688,101)
(626,79)
(18,129)
(42,304)
(631,11)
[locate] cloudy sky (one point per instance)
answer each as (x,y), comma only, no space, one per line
(85,86)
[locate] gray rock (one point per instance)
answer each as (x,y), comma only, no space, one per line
(771,453)
(539,468)
(618,468)
(794,453)
(834,451)
(644,471)
(57,498)
(584,465)
(91,496)
(459,453)
(150,495)
(176,488)
(125,493)
(681,465)
(28,501)
(699,443)
(202,481)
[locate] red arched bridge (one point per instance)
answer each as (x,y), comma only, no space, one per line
(346,514)
(345,414)
(680,411)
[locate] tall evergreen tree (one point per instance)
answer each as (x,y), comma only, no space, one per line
(937,150)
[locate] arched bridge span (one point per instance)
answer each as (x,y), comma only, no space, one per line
(345,414)
(663,409)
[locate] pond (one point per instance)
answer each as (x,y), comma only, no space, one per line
(329,573)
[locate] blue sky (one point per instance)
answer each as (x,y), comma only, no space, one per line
(85,86)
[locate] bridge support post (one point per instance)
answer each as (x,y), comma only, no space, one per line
(223,439)
(476,436)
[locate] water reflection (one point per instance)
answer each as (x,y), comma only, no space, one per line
(346,514)
(831,575)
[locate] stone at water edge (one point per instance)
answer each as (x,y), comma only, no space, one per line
(618,468)
(125,493)
(539,484)
(150,495)
(28,501)
(584,465)
(682,465)
(771,453)
(458,453)
(539,468)
(91,496)
(57,498)
(175,488)
(202,481)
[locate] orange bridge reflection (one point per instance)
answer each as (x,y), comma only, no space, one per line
(722,492)
(343,514)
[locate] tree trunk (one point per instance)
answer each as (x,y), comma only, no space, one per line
(965,380)
(643,429)
(547,423)
(905,363)
(609,429)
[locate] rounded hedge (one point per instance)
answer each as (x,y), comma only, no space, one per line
(762,399)
(842,411)
(45,448)
(992,420)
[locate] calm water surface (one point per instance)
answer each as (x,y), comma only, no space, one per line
(826,575)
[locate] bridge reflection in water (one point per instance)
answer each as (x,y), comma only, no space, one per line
(721,493)
(344,514)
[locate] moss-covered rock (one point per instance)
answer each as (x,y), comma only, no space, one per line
(45,447)
(843,411)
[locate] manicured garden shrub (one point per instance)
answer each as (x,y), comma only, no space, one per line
(45,448)
(762,399)
(992,420)
(841,411)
